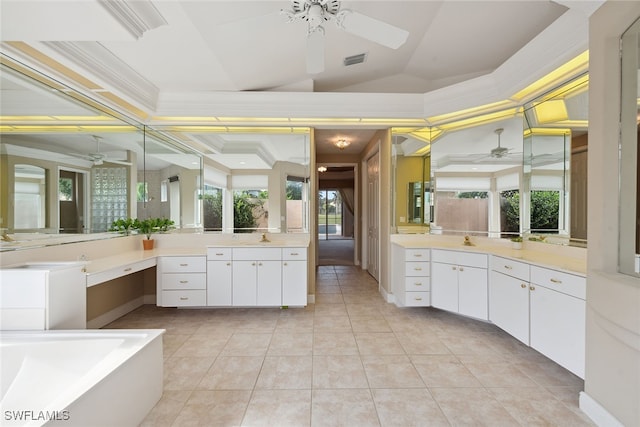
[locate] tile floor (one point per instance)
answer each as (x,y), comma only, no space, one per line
(350,359)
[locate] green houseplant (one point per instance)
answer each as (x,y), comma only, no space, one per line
(123,225)
(149,226)
(516,242)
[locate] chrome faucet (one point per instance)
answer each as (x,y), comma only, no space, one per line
(264,238)
(6,238)
(467,241)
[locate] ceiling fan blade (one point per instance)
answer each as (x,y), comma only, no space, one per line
(117,162)
(372,29)
(315,51)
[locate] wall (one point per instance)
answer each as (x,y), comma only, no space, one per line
(612,377)
(408,169)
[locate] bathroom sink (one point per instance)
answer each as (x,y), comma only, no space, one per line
(44,265)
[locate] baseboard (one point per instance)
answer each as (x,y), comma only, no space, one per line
(311,299)
(150,299)
(388,297)
(597,412)
(116,313)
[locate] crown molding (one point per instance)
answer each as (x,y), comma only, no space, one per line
(136,17)
(112,74)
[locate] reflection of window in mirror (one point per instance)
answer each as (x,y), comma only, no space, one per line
(30,197)
(163,191)
(296,188)
(65,189)
(212,211)
(143,192)
(250,210)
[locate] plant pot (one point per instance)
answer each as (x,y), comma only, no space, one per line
(147,244)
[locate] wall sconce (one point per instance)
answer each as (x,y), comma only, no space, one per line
(342,144)
(322,169)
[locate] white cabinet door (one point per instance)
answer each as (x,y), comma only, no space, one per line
(509,305)
(219,283)
(294,283)
(244,283)
(269,283)
(472,289)
(444,286)
(558,327)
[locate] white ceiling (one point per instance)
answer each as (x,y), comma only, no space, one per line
(150,51)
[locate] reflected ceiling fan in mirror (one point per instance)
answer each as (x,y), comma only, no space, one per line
(99,158)
(317,12)
(500,152)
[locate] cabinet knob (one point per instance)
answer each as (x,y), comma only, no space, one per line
(228,263)
(285,264)
(522,285)
(253,263)
(533,288)
(461,268)
(260,264)
(453,267)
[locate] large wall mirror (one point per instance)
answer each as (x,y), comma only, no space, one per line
(78,166)
(255,180)
(629,233)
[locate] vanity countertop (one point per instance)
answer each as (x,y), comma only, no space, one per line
(572,260)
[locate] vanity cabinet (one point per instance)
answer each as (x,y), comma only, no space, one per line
(557,317)
(509,297)
(219,277)
(256,276)
(411,276)
(181,281)
(459,282)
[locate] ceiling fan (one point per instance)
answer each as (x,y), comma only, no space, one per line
(317,12)
(98,158)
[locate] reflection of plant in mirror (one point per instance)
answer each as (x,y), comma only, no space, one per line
(212,208)
(246,210)
(123,225)
(294,190)
(545,210)
(510,211)
(65,189)
(152,225)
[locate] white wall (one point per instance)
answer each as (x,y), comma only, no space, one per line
(612,379)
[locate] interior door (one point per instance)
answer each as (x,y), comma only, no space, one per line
(373,216)
(71,201)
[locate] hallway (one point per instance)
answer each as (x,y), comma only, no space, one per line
(336,251)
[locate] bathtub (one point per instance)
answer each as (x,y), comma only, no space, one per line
(79,378)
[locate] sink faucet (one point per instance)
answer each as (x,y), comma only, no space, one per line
(6,238)
(467,241)
(264,238)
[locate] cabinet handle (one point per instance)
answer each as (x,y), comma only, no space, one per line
(228,263)
(418,298)
(183,265)
(508,267)
(417,268)
(533,288)
(219,254)
(128,269)
(184,281)
(522,285)
(294,253)
(417,255)
(555,280)
(260,264)
(418,284)
(453,267)
(184,298)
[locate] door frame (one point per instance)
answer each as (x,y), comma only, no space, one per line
(375,149)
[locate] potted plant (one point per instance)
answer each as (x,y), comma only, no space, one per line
(152,225)
(123,225)
(516,242)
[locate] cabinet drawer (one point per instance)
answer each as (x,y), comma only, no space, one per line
(517,269)
(417,299)
(292,254)
(566,283)
(417,284)
(416,268)
(459,258)
(219,254)
(178,264)
(257,254)
(184,281)
(187,298)
(417,254)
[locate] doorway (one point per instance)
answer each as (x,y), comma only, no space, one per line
(336,216)
(71,192)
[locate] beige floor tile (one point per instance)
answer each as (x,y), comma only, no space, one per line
(472,407)
(232,373)
(369,324)
(171,343)
(343,408)
(202,345)
(285,343)
(184,373)
(355,310)
(328,288)
(247,344)
(378,343)
(536,406)
(421,343)
(167,409)
(443,371)
(333,372)
(214,408)
(407,407)
(280,408)
(395,371)
(329,298)
(467,344)
(285,372)
(499,375)
(548,373)
(330,310)
(338,343)
(326,324)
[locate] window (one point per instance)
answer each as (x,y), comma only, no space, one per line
(65,189)
(296,188)
(463,210)
(143,192)
(545,210)
(250,210)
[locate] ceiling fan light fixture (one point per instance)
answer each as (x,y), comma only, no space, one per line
(342,144)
